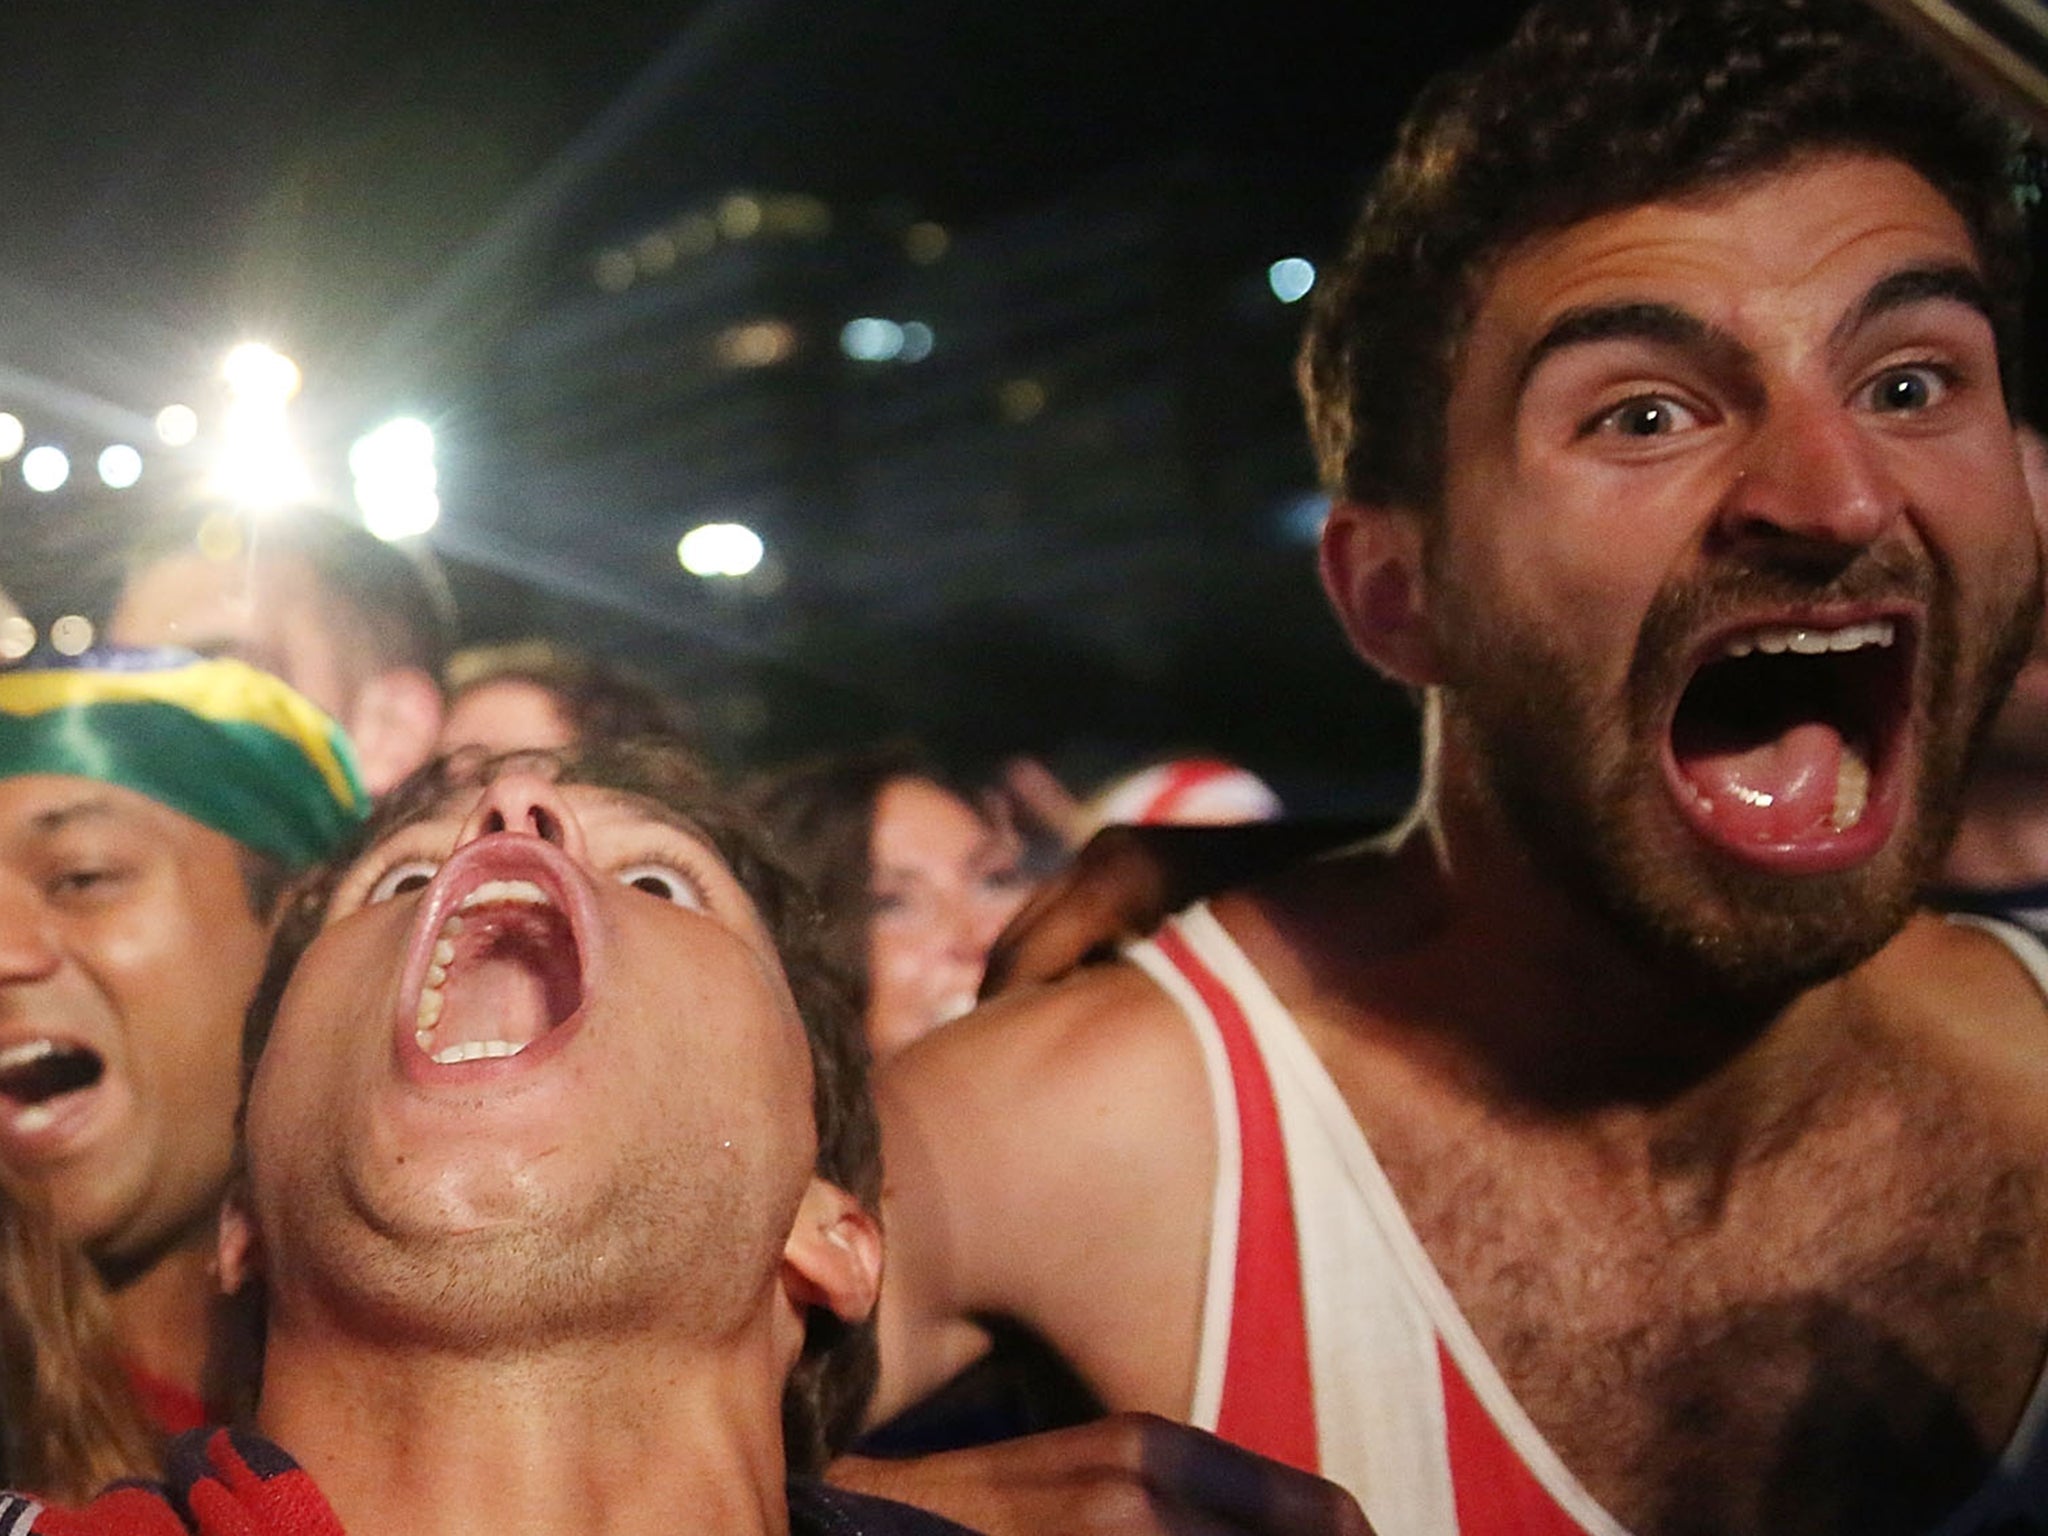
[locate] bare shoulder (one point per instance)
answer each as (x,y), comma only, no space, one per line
(1972,996)
(1025,1146)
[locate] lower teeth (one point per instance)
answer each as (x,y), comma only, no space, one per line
(1852,791)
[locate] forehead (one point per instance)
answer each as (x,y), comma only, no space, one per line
(1783,251)
(40,805)
(914,814)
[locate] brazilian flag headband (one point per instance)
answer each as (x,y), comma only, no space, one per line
(231,747)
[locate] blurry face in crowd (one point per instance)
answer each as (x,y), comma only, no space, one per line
(943,882)
(539,1070)
(505,716)
(273,614)
(127,953)
(1734,555)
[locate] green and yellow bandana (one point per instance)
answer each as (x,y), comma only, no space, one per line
(231,747)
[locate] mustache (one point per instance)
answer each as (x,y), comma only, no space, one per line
(1738,587)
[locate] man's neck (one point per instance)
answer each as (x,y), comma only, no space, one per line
(2002,843)
(604,1436)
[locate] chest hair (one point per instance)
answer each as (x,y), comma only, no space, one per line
(1839,1337)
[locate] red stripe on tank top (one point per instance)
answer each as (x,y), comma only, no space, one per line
(1496,1493)
(1268,1394)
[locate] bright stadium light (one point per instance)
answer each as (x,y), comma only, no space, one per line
(720,549)
(177,425)
(396,479)
(12,434)
(120,466)
(44,468)
(258,466)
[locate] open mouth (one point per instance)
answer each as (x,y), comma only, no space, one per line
(36,1075)
(505,972)
(1785,739)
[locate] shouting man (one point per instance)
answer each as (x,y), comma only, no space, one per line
(1612,1148)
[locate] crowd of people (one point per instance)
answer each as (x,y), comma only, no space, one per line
(431,1100)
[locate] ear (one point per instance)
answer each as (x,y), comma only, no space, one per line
(394,722)
(2034,469)
(1371,563)
(833,1258)
(238,1252)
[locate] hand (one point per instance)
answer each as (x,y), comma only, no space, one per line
(1127,880)
(1131,1474)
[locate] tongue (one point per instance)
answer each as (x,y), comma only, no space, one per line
(1802,782)
(501,996)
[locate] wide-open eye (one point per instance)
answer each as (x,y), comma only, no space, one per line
(1910,387)
(665,881)
(1644,416)
(401,878)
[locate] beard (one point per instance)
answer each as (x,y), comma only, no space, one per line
(1577,776)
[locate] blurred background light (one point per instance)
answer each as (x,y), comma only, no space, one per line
(17,637)
(869,340)
(925,242)
(71,635)
(177,425)
(396,479)
(1291,278)
(12,434)
(44,468)
(120,466)
(720,549)
(917,342)
(756,344)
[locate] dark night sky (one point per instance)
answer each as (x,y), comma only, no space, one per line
(373,188)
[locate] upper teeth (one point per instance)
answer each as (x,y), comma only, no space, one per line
(433,1000)
(21,1055)
(1812,642)
(505,890)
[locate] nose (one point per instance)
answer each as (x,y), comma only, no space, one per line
(29,950)
(1810,480)
(521,800)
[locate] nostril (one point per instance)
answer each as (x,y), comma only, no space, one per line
(546,825)
(494,820)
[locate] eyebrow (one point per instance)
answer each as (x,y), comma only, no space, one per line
(1661,324)
(1949,282)
(94,808)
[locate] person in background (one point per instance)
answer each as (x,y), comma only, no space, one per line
(534,693)
(153,806)
(915,882)
(356,625)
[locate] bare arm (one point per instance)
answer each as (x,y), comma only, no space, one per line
(1050,1160)
(1125,881)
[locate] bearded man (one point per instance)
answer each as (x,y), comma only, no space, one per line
(1614,1146)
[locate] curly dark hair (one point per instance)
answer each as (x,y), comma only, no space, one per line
(1595,106)
(827,1392)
